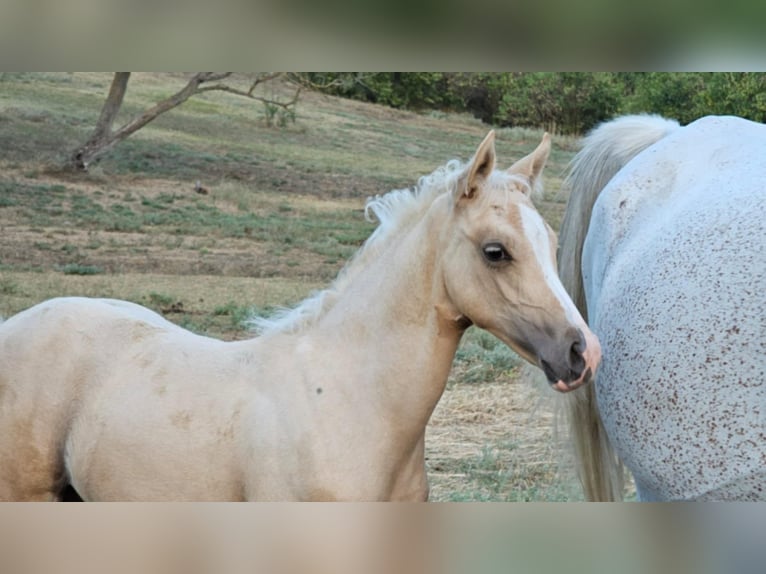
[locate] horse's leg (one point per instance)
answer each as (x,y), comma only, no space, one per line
(35,399)
(39,485)
(31,465)
(643,493)
(40,489)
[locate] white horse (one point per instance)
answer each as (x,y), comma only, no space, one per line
(671,267)
(331,401)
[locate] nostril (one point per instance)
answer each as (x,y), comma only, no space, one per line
(576,359)
(575,353)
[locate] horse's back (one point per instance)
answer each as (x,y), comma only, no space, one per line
(82,311)
(46,342)
(674,266)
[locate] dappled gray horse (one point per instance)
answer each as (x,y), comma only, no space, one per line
(670,271)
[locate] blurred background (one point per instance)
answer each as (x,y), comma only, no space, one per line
(485,35)
(380,539)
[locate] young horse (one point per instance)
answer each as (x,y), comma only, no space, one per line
(672,264)
(331,401)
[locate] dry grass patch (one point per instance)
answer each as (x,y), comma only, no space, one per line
(494,441)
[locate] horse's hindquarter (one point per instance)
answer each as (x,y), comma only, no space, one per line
(40,381)
(675,272)
(137,407)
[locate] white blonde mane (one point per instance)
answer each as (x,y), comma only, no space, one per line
(395,211)
(605,151)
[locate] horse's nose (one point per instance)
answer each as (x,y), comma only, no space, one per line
(565,365)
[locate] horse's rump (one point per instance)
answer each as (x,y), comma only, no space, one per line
(70,365)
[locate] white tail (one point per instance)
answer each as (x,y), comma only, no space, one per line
(606,150)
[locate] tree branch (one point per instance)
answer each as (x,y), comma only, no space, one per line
(103,138)
(211,76)
(249,94)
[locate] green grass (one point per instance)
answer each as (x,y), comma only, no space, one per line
(334,234)
(482,357)
(78,269)
(158,300)
(9,287)
(498,474)
(239,315)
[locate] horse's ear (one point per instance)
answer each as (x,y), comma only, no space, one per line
(479,168)
(532,165)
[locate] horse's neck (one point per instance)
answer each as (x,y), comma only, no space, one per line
(390,319)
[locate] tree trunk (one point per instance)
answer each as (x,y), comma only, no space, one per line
(99,141)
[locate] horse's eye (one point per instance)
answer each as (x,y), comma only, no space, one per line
(495,253)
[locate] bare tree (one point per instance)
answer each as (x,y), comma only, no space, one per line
(105,137)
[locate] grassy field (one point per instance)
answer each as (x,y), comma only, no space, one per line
(283,213)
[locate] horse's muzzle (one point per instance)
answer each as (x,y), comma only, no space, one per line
(579,366)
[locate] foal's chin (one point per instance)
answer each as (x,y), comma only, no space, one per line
(564,387)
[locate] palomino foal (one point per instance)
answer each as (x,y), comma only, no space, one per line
(331,401)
